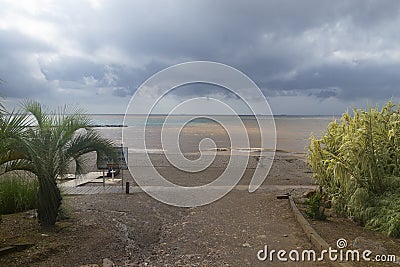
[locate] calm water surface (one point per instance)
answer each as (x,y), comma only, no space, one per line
(293,132)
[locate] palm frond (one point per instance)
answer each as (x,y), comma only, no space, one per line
(16,165)
(36,109)
(90,141)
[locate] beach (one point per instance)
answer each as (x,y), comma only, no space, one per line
(199,133)
(137,230)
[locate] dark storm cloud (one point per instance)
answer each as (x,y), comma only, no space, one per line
(121,92)
(71,69)
(343,50)
(16,52)
(362,79)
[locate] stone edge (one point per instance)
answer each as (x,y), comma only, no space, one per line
(312,235)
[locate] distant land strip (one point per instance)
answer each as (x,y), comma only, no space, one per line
(108,125)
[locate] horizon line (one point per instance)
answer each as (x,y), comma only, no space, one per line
(194,114)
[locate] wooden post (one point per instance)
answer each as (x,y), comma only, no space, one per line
(127,188)
(122,179)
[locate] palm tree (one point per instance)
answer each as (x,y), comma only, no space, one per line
(13,130)
(48,147)
(2,109)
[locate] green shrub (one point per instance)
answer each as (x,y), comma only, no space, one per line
(383,214)
(315,207)
(357,163)
(18,192)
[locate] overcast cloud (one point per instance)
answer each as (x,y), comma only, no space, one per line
(308,57)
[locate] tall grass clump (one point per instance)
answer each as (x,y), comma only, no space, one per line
(18,192)
(357,163)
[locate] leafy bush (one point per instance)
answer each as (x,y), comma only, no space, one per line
(357,163)
(18,192)
(315,207)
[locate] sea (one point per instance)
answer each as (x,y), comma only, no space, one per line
(189,131)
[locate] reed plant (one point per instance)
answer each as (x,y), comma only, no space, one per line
(357,163)
(18,192)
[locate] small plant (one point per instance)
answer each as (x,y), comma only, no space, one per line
(315,207)
(18,192)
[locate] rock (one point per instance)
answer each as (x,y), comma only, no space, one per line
(246,245)
(107,263)
(31,214)
(90,265)
(365,244)
(330,213)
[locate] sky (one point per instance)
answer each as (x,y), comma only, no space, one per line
(307,57)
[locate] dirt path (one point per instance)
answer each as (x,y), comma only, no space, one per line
(136,230)
(231,231)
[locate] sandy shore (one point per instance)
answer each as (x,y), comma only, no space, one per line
(136,230)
